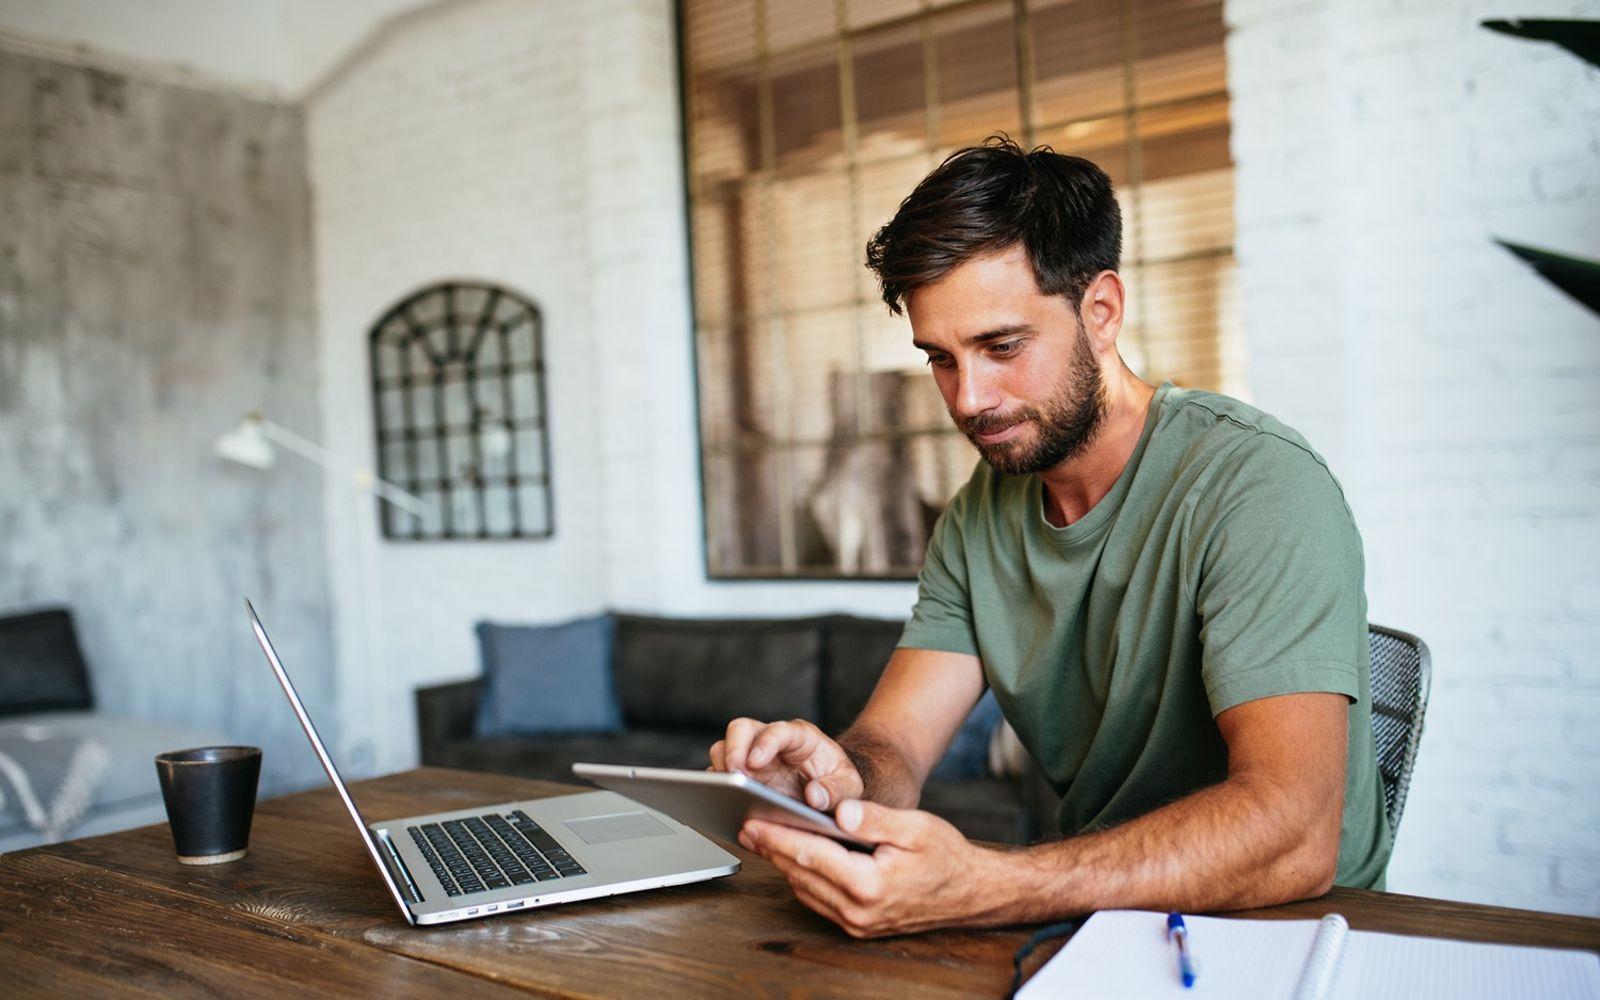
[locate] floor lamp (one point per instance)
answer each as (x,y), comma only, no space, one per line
(252,444)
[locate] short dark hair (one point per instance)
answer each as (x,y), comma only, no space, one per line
(987,198)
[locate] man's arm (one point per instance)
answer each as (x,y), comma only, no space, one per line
(916,708)
(1267,834)
(921,700)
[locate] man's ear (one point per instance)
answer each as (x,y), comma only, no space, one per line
(1102,308)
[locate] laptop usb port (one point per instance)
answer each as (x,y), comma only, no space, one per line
(491,909)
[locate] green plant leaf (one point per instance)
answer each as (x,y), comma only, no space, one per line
(1581,38)
(1577,277)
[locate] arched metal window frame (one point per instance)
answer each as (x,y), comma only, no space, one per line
(442,488)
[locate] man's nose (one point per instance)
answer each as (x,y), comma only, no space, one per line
(974,393)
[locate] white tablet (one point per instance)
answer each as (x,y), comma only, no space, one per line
(713,802)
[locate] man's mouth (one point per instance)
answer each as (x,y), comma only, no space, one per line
(997,436)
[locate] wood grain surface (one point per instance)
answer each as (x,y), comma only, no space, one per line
(304,910)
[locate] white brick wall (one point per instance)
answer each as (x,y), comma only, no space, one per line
(535,144)
(456,149)
(1456,394)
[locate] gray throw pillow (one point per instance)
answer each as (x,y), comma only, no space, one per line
(548,678)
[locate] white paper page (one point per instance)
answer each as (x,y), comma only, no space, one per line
(1124,955)
(1380,966)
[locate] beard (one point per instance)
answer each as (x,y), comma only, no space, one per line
(1067,422)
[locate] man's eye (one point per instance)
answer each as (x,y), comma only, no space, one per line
(940,360)
(1005,348)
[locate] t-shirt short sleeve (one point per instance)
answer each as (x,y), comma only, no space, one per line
(1276,570)
(942,617)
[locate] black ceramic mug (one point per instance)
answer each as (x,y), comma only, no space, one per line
(211,796)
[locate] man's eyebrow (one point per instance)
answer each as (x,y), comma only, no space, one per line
(980,338)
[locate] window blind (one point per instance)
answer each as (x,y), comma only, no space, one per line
(825,448)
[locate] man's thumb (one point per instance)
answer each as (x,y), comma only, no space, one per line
(831,789)
(875,823)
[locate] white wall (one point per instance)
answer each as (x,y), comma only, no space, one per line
(274,49)
(451,152)
(1456,394)
(535,145)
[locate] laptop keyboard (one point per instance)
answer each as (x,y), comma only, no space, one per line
(492,851)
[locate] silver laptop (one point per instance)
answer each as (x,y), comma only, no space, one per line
(514,855)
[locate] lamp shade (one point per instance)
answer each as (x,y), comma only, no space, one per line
(247,445)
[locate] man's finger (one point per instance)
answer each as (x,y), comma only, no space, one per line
(816,891)
(846,905)
(781,740)
(879,824)
(716,754)
(736,743)
(831,789)
(818,904)
(850,870)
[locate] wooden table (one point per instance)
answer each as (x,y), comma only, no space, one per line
(304,910)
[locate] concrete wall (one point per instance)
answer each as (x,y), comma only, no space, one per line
(155,284)
(1456,394)
(535,145)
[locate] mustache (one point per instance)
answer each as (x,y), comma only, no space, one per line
(988,423)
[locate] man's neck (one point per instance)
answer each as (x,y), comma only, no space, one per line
(1072,488)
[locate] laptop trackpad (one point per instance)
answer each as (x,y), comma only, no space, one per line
(620,826)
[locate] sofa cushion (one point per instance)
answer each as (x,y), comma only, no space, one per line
(548,678)
(855,652)
(680,673)
(41,666)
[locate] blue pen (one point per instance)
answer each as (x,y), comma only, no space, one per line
(1179,935)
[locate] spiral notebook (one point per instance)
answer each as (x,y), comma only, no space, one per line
(1124,954)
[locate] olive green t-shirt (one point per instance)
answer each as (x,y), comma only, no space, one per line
(1223,566)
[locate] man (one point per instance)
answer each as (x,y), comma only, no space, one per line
(1162,586)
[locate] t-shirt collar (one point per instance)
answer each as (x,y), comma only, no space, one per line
(1104,511)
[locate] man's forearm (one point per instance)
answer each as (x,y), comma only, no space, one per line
(886,777)
(1231,846)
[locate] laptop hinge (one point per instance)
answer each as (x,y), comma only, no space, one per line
(397,866)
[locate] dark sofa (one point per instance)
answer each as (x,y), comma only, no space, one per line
(48,716)
(679,681)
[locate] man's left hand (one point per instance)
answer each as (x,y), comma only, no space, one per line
(923,874)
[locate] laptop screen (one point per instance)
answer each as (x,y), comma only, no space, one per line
(327,761)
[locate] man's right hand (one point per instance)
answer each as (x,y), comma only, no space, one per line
(794,757)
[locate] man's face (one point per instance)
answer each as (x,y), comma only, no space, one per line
(1014,366)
